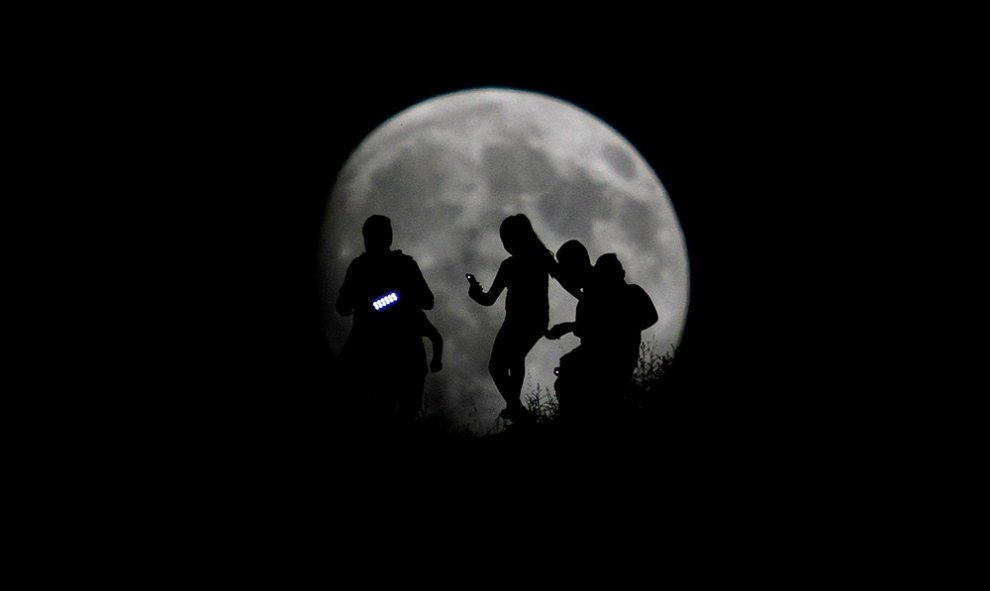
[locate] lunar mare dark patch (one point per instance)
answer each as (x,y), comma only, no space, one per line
(515,168)
(571,205)
(620,162)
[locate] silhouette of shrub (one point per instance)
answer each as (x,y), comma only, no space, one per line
(651,382)
(650,387)
(651,378)
(543,404)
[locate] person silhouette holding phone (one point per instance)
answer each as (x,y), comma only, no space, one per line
(524,275)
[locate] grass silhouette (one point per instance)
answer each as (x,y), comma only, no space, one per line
(651,385)
(435,445)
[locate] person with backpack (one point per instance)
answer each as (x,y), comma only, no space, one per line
(382,365)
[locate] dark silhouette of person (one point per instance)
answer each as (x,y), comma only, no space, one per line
(525,277)
(574,271)
(383,359)
(611,315)
(573,267)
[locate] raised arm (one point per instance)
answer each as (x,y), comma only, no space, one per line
(488,298)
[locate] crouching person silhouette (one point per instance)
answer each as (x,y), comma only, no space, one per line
(611,315)
(573,267)
(574,272)
(525,277)
(383,363)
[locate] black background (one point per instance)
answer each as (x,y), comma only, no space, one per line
(728,133)
(224,134)
(240,144)
(191,408)
(221,405)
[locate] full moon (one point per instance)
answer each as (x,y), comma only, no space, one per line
(447,171)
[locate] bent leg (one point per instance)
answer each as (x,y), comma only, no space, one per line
(498,364)
(508,361)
